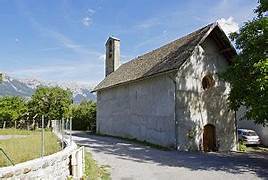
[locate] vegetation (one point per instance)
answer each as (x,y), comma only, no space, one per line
(52,102)
(242,147)
(28,147)
(93,170)
(12,131)
(1,77)
(258,149)
(251,67)
(84,116)
(12,109)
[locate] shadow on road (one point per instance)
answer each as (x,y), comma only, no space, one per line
(234,163)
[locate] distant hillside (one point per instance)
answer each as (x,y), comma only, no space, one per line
(25,88)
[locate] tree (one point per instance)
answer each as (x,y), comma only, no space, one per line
(1,77)
(248,76)
(52,102)
(84,115)
(12,109)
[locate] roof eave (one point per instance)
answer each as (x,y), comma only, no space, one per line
(136,80)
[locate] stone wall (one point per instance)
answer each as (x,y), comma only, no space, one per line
(143,110)
(56,166)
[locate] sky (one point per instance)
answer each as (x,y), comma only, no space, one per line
(63,40)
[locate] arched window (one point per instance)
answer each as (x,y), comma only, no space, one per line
(208,82)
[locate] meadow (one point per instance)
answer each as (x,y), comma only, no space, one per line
(23,145)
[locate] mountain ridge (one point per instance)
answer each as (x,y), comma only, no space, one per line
(26,87)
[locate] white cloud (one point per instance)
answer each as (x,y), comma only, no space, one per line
(102,57)
(149,23)
(70,44)
(228,25)
(62,72)
(240,10)
(51,49)
(91,11)
(87,21)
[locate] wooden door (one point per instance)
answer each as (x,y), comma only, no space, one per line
(209,138)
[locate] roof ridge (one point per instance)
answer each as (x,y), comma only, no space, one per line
(166,58)
(172,41)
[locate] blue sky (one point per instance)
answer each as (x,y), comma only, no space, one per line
(64,40)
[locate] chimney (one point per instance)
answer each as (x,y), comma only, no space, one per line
(112,61)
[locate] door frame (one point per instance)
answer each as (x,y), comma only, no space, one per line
(211,126)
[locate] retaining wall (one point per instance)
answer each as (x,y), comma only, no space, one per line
(60,165)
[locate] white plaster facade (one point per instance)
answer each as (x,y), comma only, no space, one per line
(146,109)
(197,107)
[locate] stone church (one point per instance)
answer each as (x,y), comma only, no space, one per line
(171,96)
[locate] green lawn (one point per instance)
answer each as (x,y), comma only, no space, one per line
(93,170)
(26,148)
(14,132)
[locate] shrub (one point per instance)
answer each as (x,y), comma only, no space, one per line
(84,116)
(242,147)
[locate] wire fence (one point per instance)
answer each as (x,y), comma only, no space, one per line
(63,129)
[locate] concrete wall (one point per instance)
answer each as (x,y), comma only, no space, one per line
(249,124)
(143,110)
(197,107)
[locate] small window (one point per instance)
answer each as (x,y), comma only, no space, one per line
(208,82)
(110,49)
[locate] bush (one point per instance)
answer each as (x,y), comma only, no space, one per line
(84,116)
(242,147)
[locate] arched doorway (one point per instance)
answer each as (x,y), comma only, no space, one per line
(209,138)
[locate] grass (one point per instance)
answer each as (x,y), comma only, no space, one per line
(258,149)
(26,148)
(12,131)
(93,170)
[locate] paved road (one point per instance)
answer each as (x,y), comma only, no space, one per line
(130,161)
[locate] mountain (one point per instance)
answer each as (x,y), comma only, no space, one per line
(26,87)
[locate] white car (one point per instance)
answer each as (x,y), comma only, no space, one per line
(248,137)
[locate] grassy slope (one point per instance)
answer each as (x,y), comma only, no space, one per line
(93,170)
(26,148)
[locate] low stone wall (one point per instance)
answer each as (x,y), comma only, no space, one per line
(55,166)
(59,165)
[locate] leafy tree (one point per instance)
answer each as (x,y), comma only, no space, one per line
(12,108)
(248,75)
(84,115)
(1,77)
(52,102)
